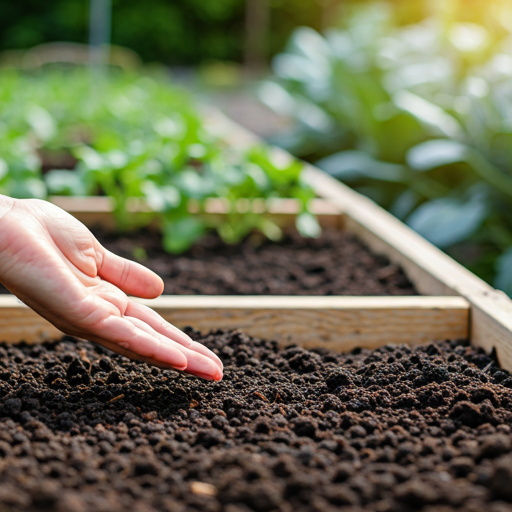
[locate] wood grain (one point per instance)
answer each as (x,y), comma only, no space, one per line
(340,323)
(491,325)
(98,211)
(19,323)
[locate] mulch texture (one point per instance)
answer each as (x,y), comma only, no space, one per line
(397,429)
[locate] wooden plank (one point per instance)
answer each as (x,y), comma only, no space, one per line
(20,323)
(491,325)
(94,211)
(339,323)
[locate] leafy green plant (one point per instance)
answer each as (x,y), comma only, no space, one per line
(417,117)
(66,132)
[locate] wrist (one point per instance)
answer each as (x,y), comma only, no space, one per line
(6,205)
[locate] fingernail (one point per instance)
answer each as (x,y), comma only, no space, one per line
(204,376)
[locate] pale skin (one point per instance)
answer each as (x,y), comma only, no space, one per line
(54,264)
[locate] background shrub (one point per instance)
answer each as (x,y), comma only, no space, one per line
(418,117)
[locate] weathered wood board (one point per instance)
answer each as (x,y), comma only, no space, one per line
(339,323)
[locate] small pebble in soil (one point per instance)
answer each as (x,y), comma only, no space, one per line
(397,429)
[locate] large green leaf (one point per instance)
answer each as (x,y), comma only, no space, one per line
(352,165)
(503,279)
(448,221)
(433,116)
(436,153)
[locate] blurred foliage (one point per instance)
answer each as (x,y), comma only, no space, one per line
(172,32)
(71,132)
(418,117)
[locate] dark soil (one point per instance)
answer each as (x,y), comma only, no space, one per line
(334,264)
(393,430)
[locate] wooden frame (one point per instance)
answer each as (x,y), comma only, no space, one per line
(456,304)
(340,323)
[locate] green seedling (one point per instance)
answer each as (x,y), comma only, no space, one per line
(135,137)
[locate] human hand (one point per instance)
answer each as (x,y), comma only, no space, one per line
(54,264)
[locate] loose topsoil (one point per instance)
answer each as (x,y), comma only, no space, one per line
(334,264)
(290,430)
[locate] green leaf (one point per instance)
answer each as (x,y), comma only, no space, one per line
(258,177)
(91,158)
(4,168)
(31,188)
(180,234)
(307,225)
(277,98)
(429,113)
(448,221)
(436,153)
(503,279)
(310,43)
(160,199)
(271,230)
(193,185)
(65,182)
(351,165)
(404,204)
(42,122)
(171,128)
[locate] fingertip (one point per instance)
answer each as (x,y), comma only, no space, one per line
(173,357)
(158,287)
(154,286)
(208,376)
(201,349)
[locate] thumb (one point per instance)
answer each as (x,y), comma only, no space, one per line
(82,249)
(131,277)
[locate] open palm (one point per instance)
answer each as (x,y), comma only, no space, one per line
(54,264)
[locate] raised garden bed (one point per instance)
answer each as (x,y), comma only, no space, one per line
(342,322)
(336,263)
(457,304)
(398,429)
